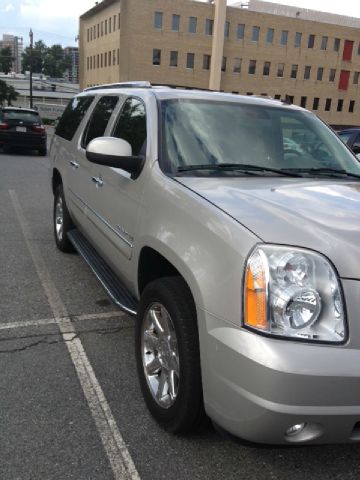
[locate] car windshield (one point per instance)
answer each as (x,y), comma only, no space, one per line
(345,136)
(21,116)
(201,133)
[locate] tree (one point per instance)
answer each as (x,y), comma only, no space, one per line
(7,93)
(51,61)
(38,55)
(6,60)
(11,94)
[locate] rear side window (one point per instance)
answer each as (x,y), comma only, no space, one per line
(99,119)
(72,116)
(131,125)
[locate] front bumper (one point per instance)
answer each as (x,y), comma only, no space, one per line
(258,388)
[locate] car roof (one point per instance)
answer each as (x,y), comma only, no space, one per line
(19,109)
(168,92)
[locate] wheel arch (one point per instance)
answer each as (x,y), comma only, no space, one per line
(56,179)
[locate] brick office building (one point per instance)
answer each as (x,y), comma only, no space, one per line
(264,49)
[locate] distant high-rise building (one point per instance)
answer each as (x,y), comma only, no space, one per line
(72,74)
(17,47)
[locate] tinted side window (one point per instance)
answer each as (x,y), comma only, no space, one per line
(99,119)
(72,116)
(356,145)
(131,124)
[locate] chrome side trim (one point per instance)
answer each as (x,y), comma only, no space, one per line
(118,234)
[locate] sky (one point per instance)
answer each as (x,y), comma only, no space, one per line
(56,21)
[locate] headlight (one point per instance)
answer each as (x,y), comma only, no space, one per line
(293,292)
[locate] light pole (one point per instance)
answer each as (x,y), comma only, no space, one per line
(31,67)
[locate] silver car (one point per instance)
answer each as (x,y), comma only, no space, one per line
(229,227)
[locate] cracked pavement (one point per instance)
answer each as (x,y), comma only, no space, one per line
(47,429)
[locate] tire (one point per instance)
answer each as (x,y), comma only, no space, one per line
(62,222)
(170,363)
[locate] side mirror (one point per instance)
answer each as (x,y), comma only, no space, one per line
(114,152)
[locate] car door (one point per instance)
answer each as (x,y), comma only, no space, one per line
(88,186)
(119,199)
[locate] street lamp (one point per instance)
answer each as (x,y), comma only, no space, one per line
(31,67)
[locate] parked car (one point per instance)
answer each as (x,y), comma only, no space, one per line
(351,136)
(22,128)
(238,257)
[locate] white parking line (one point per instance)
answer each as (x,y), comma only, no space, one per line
(114,445)
(52,321)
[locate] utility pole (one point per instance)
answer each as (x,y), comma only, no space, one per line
(31,67)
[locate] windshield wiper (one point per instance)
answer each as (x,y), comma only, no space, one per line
(244,168)
(325,171)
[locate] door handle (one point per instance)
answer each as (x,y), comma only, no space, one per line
(98,181)
(74,164)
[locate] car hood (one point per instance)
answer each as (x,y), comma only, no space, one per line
(323,215)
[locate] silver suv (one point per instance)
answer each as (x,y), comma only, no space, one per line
(229,226)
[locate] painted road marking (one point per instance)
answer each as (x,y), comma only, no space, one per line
(119,457)
(53,321)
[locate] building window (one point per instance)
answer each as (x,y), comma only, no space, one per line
(237,65)
(316,103)
(284,37)
(270,35)
(88,35)
(101,60)
(252,67)
(303,102)
(340,105)
(249,93)
(209,25)
(106,27)
(119,21)
(324,42)
(240,31)
(307,72)
(294,70)
(332,74)
(102,29)
(223,64)
(277,96)
(158,20)
(98,30)
(175,23)
(311,41)
(118,56)
(356,78)
(190,57)
(173,58)
(358,52)
(114,57)
(110,25)
(266,69)
(97,61)
(206,62)
(297,40)
(109,58)
(351,106)
(280,70)
(255,34)
(192,24)
(344,80)
(320,72)
(87,63)
(328,105)
(336,44)
(156,56)
(226,29)
(91,63)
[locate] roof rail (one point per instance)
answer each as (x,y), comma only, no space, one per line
(141,84)
(185,87)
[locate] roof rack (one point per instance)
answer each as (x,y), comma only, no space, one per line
(141,84)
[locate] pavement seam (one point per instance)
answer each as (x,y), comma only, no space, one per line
(114,445)
(53,321)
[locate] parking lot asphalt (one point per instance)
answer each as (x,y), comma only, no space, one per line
(70,403)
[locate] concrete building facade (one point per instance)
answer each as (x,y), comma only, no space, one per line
(310,58)
(72,74)
(16,46)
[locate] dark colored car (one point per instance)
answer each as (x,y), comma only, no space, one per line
(22,128)
(351,136)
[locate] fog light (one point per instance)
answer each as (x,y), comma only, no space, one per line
(295,429)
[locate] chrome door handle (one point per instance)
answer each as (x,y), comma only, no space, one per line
(98,181)
(74,164)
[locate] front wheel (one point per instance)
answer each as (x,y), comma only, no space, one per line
(62,222)
(167,355)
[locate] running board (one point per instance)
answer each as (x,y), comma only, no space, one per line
(118,293)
